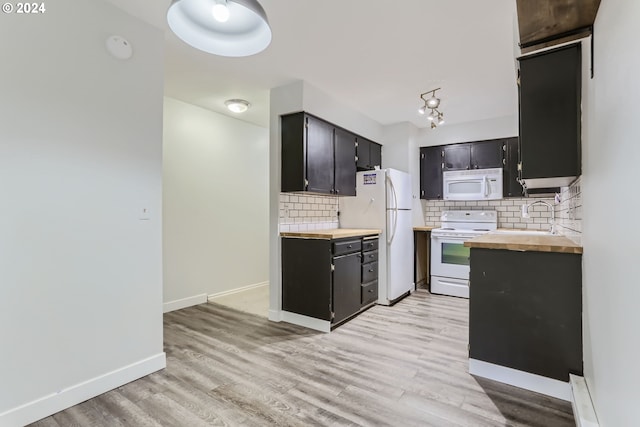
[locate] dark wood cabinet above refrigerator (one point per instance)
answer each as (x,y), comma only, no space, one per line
(320,157)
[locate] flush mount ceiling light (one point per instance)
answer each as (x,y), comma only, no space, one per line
(237,105)
(432,103)
(222,27)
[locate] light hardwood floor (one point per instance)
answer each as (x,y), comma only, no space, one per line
(254,300)
(391,366)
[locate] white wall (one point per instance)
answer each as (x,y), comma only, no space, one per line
(294,97)
(80,157)
(611,151)
(401,151)
(215,187)
(501,127)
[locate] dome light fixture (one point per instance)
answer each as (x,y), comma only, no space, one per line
(232,28)
(435,117)
(237,105)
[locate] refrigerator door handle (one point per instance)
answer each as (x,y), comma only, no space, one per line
(394,210)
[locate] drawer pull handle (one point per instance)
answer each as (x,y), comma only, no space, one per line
(370,291)
(349,247)
(371,256)
(370,270)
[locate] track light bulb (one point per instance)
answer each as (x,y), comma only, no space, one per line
(440,119)
(433,102)
(422,109)
(220,11)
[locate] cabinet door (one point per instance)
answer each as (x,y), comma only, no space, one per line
(363,154)
(431,172)
(346,286)
(457,157)
(375,155)
(345,163)
(486,154)
(306,277)
(319,155)
(550,96)
(293,152)
(510,185)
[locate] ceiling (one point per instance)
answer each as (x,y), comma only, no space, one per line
(375,56)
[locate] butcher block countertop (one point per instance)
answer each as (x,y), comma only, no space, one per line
(425,228)
(333,233)
(525,242)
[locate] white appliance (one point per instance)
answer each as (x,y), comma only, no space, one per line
(475,184)
(449,256)
(383,201)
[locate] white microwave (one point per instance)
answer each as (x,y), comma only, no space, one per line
(475,184)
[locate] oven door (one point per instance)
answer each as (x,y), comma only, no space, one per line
(449,257)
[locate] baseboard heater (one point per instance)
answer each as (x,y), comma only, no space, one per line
(583,410)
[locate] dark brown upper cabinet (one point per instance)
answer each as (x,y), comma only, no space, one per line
(474,155)
(369,154)
(317,156)
(550,117)
(431,173)
(344,163)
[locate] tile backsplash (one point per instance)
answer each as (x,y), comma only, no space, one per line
(509,211)
(303,212)
(568,211)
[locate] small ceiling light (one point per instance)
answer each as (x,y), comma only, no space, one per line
(435,117)
(221,27)
(237,105)
(220,11)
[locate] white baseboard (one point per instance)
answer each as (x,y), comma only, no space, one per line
(237,290)
(184,303)
(65,398)
(306,321)
(583,410)
(525,380)
(274,316)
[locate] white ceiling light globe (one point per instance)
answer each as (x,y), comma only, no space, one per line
(237,105)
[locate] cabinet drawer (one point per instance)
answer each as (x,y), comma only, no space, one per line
(370,245)
(346,247)
(371,256)
(369,293)
(369,272)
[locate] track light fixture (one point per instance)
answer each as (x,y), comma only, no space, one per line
(432,103)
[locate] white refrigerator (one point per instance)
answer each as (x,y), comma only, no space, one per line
(384,202)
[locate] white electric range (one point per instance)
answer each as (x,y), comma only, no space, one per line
(449,256)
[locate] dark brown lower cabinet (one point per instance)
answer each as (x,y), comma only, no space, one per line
(525,311)
(346,295)
(330,280)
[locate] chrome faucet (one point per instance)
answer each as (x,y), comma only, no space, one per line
(525,213)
